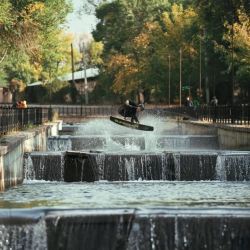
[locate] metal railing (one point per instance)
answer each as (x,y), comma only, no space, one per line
(224,114)
(15,119)
(229,114)
(87,111)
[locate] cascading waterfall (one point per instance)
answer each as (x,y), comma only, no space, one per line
(177,166)
(32,235)
(189,231)
(197,166)
(29,172)
(233,167)
(80,143)
(221,174)
(130,166)
(108,156)
(59,143)
(44,166)
(127,229)
(173,142)
(129,142)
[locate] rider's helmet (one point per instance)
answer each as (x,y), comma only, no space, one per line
(141,106)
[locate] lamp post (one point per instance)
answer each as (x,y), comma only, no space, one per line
(200,73)
(81,93)
(85,76)
(233,59)
(180,76)
(50,109)
(169,77)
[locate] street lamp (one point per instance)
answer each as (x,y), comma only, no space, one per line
(50,97)
(85,76)
(180,76)
(169,77)
(233,59)
(200,73)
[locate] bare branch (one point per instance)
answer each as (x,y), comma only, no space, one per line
(89,6)
(4,54)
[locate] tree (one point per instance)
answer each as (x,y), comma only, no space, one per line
(121,24)
(32,41)
(89,6)
(142,64)
(213,15)
(178,32)
(93,52)
(239,45)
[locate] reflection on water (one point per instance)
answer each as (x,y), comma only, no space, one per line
(120,194)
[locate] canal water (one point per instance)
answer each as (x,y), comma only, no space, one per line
(136,192)
(103,194)
(126,204)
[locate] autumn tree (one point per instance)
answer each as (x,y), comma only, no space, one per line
(238,48)
(32,40)
(94,51)
(121,23)
(214,15)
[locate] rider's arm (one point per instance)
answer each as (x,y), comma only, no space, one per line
(132,104)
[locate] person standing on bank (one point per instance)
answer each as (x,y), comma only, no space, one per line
(214,101)
(129,109)
(187,102)
(15,105)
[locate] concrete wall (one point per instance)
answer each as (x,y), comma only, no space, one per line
(13,146)
(231,137)
(5,95)
(234,137)
(197,128)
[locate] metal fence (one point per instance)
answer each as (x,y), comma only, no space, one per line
(14,119)
(225,114)
(87,111)
(233,114)
(230,114)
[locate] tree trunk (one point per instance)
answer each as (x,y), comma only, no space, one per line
(140,96)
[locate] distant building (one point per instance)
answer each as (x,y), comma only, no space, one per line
(91,75)
(5,95)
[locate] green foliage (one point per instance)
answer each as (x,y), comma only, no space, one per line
(93,53)
(122,25)
(136,49)
(33,46)
(3,76)
(140,35)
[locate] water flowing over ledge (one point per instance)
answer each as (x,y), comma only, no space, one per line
(72,166)
(131,228)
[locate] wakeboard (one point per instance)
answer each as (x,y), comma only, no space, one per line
(128,124)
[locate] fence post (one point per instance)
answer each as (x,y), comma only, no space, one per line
(50,114)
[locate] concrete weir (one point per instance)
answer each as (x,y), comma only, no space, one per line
(136,142)
(91,166)
(14,146)
(108,187)
(130,228)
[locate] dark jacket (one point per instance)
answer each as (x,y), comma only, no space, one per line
(187,103)
(129,111)
(15,105)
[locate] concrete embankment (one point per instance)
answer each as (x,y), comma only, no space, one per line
(231,137)
(13,147)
